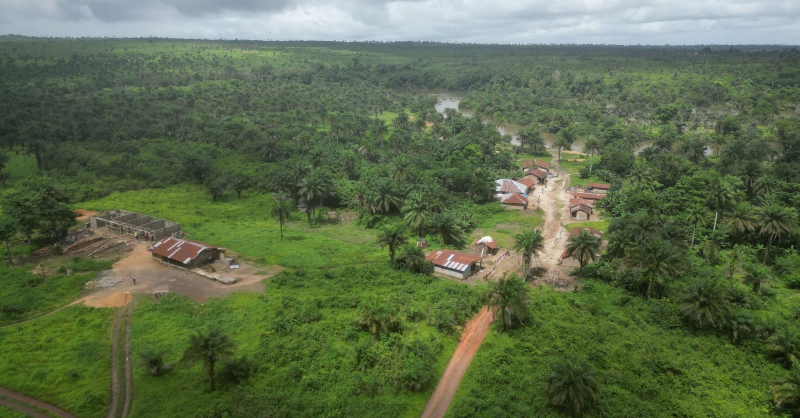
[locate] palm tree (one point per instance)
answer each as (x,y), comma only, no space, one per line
(401,168)
(412,259)
(446,226)
(755,274)
(572,384)
(720,198)
(562,142)
(529,243)
(508,298)
(657,258)
(749,174)
(787,392)
(766,184)
(209,348)
(282,210)
(640,175)
(776,221)
(717,141)
(416,211)
(378,317)
(394,236)
(592,145)
(584,247)
(742,218)
(784,344)
(314,186)
(705,300)
(697,215)
(153,361)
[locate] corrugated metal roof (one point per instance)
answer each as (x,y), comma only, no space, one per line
(603,186)
(538,172)
(487,241)
(180,250)
(590,196)
(527,181)
(509,186)
(577,231)
(515,199)
(543,164)
(453,260)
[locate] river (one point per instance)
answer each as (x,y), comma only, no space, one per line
(451,100)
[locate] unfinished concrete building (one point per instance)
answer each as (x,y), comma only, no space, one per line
(129,223)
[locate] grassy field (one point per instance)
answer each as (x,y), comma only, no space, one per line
(601,226)
(63,359)
(20,165)
(25,295)
(646,365)
(501,224)
(244,225)
(313,359)
(10,413)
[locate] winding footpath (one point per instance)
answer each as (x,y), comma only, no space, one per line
(122,328)
(30,406)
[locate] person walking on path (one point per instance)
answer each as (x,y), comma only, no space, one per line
(134,280)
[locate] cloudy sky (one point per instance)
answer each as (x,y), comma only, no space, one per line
(484,21)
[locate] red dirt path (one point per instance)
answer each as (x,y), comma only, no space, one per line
(18,397)
(471,339)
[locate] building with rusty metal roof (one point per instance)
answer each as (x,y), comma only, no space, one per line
(185,253)
(454,263)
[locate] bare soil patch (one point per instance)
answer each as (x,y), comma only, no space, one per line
(84,214)
(153,276)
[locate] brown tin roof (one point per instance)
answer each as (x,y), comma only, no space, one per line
(453,260)
(180,250)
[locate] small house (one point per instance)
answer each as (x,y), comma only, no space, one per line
(484,246)
(600,188)
(538,174)
(528,182)
(517,201)
(185,253)
(506,186)
(542,165)
(454,263)
(592,197)
(578,206)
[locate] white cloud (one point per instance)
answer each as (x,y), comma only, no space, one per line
(511,21)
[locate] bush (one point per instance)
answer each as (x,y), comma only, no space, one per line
(236,371)
(584,172)
(792,281)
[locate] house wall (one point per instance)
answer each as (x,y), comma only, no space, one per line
(510,206)
(452,273)
(580,215)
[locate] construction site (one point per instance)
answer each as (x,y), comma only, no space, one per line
(124,222)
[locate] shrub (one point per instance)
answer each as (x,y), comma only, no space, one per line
(237,370)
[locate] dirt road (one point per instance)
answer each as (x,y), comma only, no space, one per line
(471,339)
(121,395)
(555,204)
(18,402)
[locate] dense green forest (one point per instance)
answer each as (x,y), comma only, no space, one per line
(691,310)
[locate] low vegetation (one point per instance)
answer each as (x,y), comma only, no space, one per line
(353,341)
(63,359)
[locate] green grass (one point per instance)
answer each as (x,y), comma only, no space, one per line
(24,295)
(20,165)
(501,224)
(303,334)
(601,226)
(646,366)
(63,359)
(244,225)
(10,413)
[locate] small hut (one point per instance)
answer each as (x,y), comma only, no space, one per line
(599,188)
(484,246)
(515,201)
